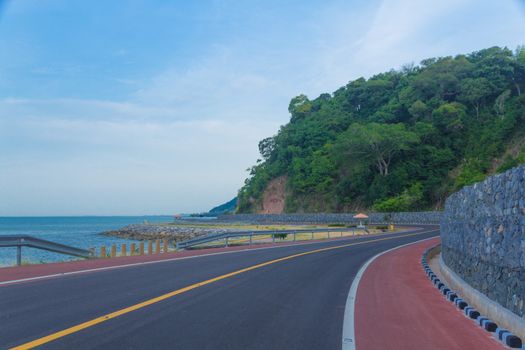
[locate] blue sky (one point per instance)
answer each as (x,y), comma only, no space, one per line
(157,107)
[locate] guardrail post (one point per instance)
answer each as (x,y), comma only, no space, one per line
(294,234)
(341,234)
(141,248)
(312,235)
(113,250)
(123,250)
(226,241)
(103,252)
(273,237)
(157,246)
(18,255)
(251,238)
(165,245)
(150,246)
(19,241)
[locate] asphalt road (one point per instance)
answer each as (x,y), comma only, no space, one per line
(296,303)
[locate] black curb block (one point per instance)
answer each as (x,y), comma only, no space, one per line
(501,334)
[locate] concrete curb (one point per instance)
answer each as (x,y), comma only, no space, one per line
(503,335)
(503,316)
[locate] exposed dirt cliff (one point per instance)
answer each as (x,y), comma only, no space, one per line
(274,196)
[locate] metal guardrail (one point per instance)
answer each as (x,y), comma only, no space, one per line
(20,241)
(226,236)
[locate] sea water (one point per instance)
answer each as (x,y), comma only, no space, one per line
(81,232)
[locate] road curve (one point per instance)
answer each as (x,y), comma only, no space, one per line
(420,317)
(291,297)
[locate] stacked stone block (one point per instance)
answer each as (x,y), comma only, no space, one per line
(483,237)
(428,217)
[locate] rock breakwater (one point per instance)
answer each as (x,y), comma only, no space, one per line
(172,232)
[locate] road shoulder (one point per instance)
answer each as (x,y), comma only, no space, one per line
(398,308)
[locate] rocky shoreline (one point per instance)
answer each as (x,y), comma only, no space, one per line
(172,232)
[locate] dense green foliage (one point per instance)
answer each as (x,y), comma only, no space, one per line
(401,140)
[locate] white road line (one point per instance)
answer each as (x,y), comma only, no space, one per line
(348,320)
(284,245)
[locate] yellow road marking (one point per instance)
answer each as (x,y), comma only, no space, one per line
(104,318)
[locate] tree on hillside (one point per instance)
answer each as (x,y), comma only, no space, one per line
(475,91)
(495,64)
(449,117)
(499,103)
(378,143)
(408,200)
(519,68)
(266,147)
(418,110)
(299,107)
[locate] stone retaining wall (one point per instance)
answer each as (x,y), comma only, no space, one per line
(429,217)
(483,237)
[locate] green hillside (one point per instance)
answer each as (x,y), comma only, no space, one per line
(228,207)
(401,140)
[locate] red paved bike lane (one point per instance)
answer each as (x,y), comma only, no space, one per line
(398,308)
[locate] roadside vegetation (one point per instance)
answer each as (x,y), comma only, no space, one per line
(400,140)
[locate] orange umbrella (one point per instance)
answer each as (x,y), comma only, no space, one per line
(361,216)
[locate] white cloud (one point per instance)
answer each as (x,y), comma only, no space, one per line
(397,23)
(222,85)
(391,33)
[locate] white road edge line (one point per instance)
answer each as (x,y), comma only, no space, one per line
(36,278)
(348,340)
